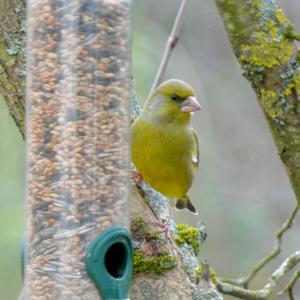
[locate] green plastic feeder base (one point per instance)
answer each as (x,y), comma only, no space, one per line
(109,263)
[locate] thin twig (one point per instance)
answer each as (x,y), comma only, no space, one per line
(170,45)
(290,285)
(244,281)
(269,287)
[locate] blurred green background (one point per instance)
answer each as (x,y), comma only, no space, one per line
(11,204)
(241,191)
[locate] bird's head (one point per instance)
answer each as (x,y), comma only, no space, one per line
(173,100)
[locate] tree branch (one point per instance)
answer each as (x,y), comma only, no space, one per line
(269,287)
(170,45)
(244,281)
(290,285)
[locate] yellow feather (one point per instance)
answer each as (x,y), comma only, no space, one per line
(164,146)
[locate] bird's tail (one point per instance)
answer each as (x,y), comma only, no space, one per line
(185,202)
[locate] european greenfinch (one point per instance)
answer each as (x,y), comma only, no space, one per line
(164,146)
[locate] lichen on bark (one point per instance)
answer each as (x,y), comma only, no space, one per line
(261,37)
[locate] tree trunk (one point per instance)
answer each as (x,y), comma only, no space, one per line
(170,285)
(171,275)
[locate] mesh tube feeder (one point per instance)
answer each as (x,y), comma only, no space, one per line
(78,86)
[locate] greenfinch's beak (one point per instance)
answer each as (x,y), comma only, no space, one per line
(190,104)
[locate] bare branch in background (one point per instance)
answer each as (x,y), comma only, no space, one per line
(269,287)
(290,285)
(244,281)
(170,45)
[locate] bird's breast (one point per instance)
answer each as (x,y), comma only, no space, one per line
(163,155)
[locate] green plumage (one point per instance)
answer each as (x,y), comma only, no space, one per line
(164,146)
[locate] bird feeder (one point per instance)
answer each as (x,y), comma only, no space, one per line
(78,71)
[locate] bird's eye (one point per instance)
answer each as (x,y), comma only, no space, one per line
(175,97)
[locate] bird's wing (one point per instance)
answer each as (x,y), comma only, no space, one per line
(195,154)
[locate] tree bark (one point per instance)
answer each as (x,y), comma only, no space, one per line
(174,283)
(262,40)
(12,58)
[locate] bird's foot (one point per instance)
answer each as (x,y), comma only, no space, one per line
(136,177)
(165,228)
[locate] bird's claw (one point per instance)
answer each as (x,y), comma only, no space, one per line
(165,228)
(136,177)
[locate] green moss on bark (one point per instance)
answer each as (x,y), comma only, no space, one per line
(188,235)
(156,265)
(140,229)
